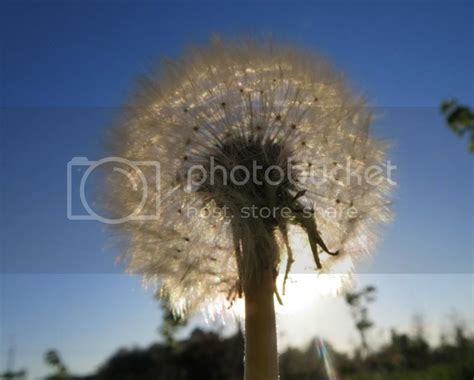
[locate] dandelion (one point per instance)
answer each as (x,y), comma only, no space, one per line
(253,140)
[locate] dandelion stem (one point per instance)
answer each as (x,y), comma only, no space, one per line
(261,358)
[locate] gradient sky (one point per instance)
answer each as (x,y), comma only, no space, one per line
(67,67)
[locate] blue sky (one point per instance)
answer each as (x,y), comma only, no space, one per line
(67,67)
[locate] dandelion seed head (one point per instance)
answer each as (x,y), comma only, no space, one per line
(242,103)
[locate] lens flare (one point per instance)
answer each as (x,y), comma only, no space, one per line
(326,356)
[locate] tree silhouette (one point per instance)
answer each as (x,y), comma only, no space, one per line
(207,355)
(358,302)
(53,359)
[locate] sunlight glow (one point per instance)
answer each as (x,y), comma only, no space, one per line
(303,283)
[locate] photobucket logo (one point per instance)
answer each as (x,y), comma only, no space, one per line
(346,172)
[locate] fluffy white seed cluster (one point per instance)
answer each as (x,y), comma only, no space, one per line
(241,103)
